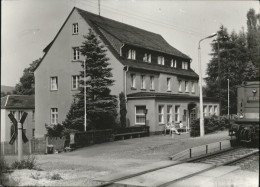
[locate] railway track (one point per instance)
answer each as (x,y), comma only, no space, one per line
(212,161)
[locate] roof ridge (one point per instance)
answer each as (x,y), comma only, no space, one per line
(117,21)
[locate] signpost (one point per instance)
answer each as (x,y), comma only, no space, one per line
(18,131)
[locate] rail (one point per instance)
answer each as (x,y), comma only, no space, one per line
(201,150)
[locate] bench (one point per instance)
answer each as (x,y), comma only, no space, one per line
(131,134)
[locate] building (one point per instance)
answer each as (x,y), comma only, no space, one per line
(152,74)
(17,104)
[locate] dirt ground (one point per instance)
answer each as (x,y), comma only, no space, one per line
(82,166)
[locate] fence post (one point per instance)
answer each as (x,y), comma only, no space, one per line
(190,153)
(47,143)
(30,147)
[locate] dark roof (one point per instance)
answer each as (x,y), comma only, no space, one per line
(18,102)
(157,95)
(132,35)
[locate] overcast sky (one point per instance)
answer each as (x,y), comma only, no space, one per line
(28,26)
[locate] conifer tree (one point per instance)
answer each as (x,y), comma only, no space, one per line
(123,110)
(101,106)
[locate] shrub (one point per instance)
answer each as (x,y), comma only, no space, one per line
(3,166)
(211,124)
(54,130)
(29,163)
(56,177)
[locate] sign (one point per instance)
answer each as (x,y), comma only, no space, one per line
(14,121)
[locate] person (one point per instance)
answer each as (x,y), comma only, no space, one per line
(181,125)
(174,129)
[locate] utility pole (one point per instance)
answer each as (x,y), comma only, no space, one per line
(85,99)
(228,100)
(99,7)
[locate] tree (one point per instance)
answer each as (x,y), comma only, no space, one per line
(101,106)
(123,110)
(253,37)
(26,85)
(235,65)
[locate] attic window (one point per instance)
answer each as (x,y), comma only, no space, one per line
(184,65)
(75,28)
(160,60)
(131,54)
(147,58)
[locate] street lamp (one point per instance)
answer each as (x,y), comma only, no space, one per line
(228,100)
(200,86)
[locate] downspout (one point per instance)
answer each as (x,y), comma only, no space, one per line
(126,68)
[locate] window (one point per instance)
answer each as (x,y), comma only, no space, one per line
(180,88)
(186,86)
(54,116)
(140,115)
(177,113)
(20,113)
(133,80)
(193,87)
(175,64)
(54,83)
(160,60)
(172,63)
(184,115)
(152,83)
(216,110)
(75,28)
(160,112)
(184,65)
(142,82)
(168,84)
(33,115)
(204,110)
(131,54)
(210,110)
(75,53)
(75,82)
(147,58)
(169,113)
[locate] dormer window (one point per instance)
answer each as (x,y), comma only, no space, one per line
(160,60)
(147,58)
(131,54)
(75,28)
(175,63)
(184,65)
(172,63)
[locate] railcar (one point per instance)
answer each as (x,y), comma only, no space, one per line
(246,127)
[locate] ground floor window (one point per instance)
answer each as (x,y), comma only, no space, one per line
(169,113)
(210,110)
(160,112)
(54,116)
(216,110)
(140,115)
(204,110)
(177,113)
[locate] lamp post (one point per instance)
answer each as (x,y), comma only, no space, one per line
(200,87)
(228,100)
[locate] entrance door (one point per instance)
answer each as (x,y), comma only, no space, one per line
(193,115)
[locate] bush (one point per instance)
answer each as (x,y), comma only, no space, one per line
(29,163)
(3,166)
(56,177)
(54,130)
(211,124)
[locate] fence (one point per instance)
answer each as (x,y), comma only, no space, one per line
(201,150)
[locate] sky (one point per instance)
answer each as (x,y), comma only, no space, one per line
(28,26)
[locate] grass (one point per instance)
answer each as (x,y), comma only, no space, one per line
(28,163)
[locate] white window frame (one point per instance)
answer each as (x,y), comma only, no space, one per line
(216,110)
(160,60)
(180,85)
(168,82)
(54,83)
(161,114)
(75,82)
(186,86)
(210,110)
(193,87)
(175,64)
(169,114)
(131,54)
(151,82)
(133,81)
(177,113)
(147,58)
(75,28)
(139,114)
(172,63)
(143,85)
(205,108)
(184,65)
(54,116)
(75,54)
